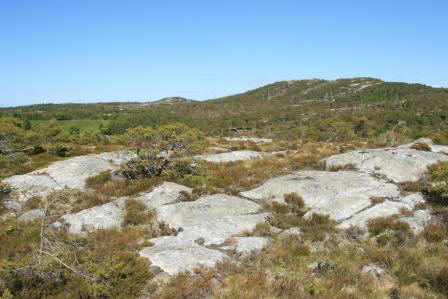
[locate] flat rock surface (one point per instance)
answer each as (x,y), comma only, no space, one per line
(214,218)
(338,194)
(167,193)
(109,215)
(175,255)
(32,215)
(401,164)
(231,156)
(244,245)
(210,220)
(71,173)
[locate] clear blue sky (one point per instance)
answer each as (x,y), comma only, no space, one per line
(92,50)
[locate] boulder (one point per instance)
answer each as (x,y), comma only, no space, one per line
(174,255)
(32,215)
(109,215)
(214,218)
(401,164)
(231,156)
(338,194)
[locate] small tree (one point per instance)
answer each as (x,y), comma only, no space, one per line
(156,146)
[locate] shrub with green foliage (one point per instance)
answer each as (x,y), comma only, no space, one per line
(437,190)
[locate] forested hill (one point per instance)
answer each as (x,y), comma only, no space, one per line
(317,109)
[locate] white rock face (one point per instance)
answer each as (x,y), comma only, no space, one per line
(27,185)
(71,173)
(252,139)
(401,164)
(231,156)
(418,221)
(214,218)
(244,245)
(32,215)
(210,219)
(385,209)
(338,194)
(167,193)
(109,215)
(175,255)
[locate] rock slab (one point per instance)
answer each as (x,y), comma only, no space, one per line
(231,156)
(338,194)
(401,164)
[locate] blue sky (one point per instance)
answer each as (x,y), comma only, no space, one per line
(92,50)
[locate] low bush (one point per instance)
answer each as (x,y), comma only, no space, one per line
(389,229)
(421,147)
(136,213)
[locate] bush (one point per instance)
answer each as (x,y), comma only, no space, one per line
(136,213)
(389,229)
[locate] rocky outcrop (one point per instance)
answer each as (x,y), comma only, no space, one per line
(338,194)
(204,227)
(214,218)
(174,255)
(109,215)
(231,156)
(71,173)
(400,164)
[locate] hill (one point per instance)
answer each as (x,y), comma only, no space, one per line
(316,109)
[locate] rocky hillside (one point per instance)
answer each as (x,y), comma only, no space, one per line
(357,199)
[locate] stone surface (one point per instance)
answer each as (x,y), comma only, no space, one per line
(291,231)
(231,156)
(214,218)
(244,245)
(71,173)
(167,193)
(385,209)
(338,194)
(109,215)
(32,215)
(418,221)
(443,149)
(27,185)
(251,139)
(373,270)
(401,164)
(173,254)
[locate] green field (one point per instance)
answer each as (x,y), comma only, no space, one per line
(84,125)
